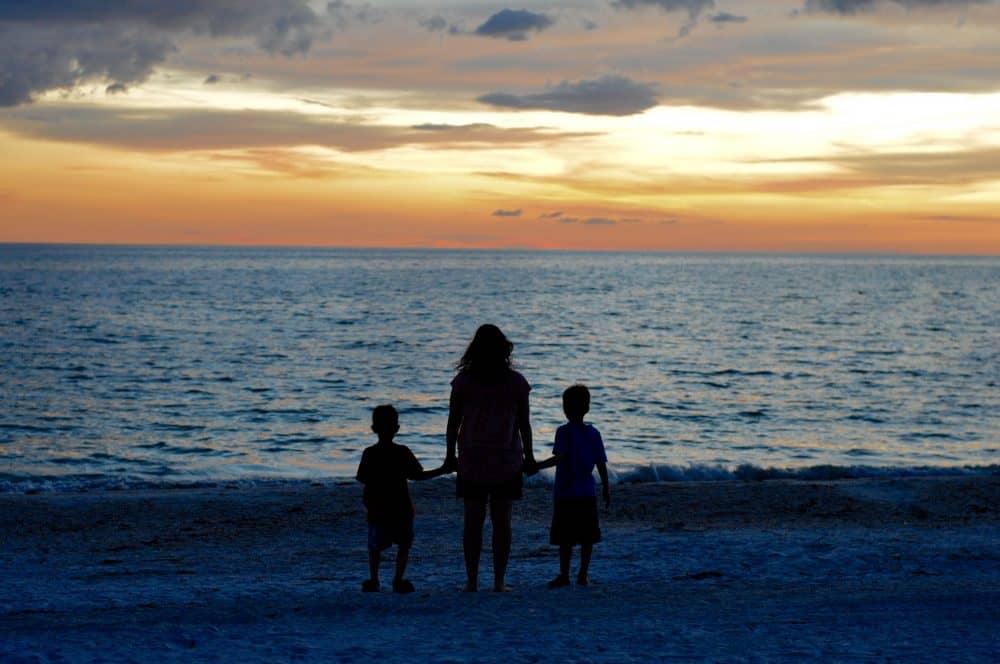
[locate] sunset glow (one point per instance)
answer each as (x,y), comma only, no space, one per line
(704,126)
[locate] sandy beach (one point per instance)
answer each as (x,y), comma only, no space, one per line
(880,569)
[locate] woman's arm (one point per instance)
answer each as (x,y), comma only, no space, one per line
(524,427)
(454,422)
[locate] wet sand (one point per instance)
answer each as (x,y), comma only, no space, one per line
(855,569)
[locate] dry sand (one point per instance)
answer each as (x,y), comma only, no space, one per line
(881,569)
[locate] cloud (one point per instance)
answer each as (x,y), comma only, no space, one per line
(876,170)
(851,7)
(550,215)
(212,79)
(722,18)
(507,213)
(599,221)
(181,130)
(344,13)
(693,8)
(513,24)
(431,126)
(436,23)
(53,44)
(606,95)
(963,218)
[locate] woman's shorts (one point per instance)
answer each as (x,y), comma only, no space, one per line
(574,521)
(508,490)
(383,535)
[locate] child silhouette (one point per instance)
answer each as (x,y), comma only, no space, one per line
(384,470)
(577,450)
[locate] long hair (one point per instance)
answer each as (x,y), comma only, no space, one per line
(488,355)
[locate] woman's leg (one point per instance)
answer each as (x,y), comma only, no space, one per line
(472,540)
(500,515)
(565,557)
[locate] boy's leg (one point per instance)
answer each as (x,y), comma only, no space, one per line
(374,558)
(500,515)
(402,556)
(472,539)
(582,577)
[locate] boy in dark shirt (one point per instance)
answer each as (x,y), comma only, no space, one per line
(384,470)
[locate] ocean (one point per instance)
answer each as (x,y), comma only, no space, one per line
(147,366)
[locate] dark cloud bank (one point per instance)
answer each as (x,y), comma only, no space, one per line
(849,7)
(606,95)
(53,44)
(513,24)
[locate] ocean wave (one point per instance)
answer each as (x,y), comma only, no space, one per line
(749,472)
(95,482)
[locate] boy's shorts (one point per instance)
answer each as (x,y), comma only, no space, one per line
(383,535)
(574,521)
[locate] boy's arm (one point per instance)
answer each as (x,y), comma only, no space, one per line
(558,452)
(431,474)
(550,462)
(602,470)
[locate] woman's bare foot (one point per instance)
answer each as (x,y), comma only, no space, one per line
(471,587)
(582,581)
(560,581)
(501,588)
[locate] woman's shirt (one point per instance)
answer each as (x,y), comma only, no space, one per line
(489,442)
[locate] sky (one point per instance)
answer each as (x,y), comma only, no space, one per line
(675,125)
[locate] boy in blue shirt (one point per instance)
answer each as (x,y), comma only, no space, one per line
(577,450)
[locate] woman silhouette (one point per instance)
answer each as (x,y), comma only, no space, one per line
(489,425)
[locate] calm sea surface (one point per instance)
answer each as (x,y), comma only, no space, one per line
(124,365)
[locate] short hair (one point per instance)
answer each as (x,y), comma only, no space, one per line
(576,400)
(384,417)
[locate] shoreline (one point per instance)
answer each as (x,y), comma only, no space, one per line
(621,475)
(779,569)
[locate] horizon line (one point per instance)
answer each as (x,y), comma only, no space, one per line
(703,252)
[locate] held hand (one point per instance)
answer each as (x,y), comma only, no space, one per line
(530,467)
(450,464)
